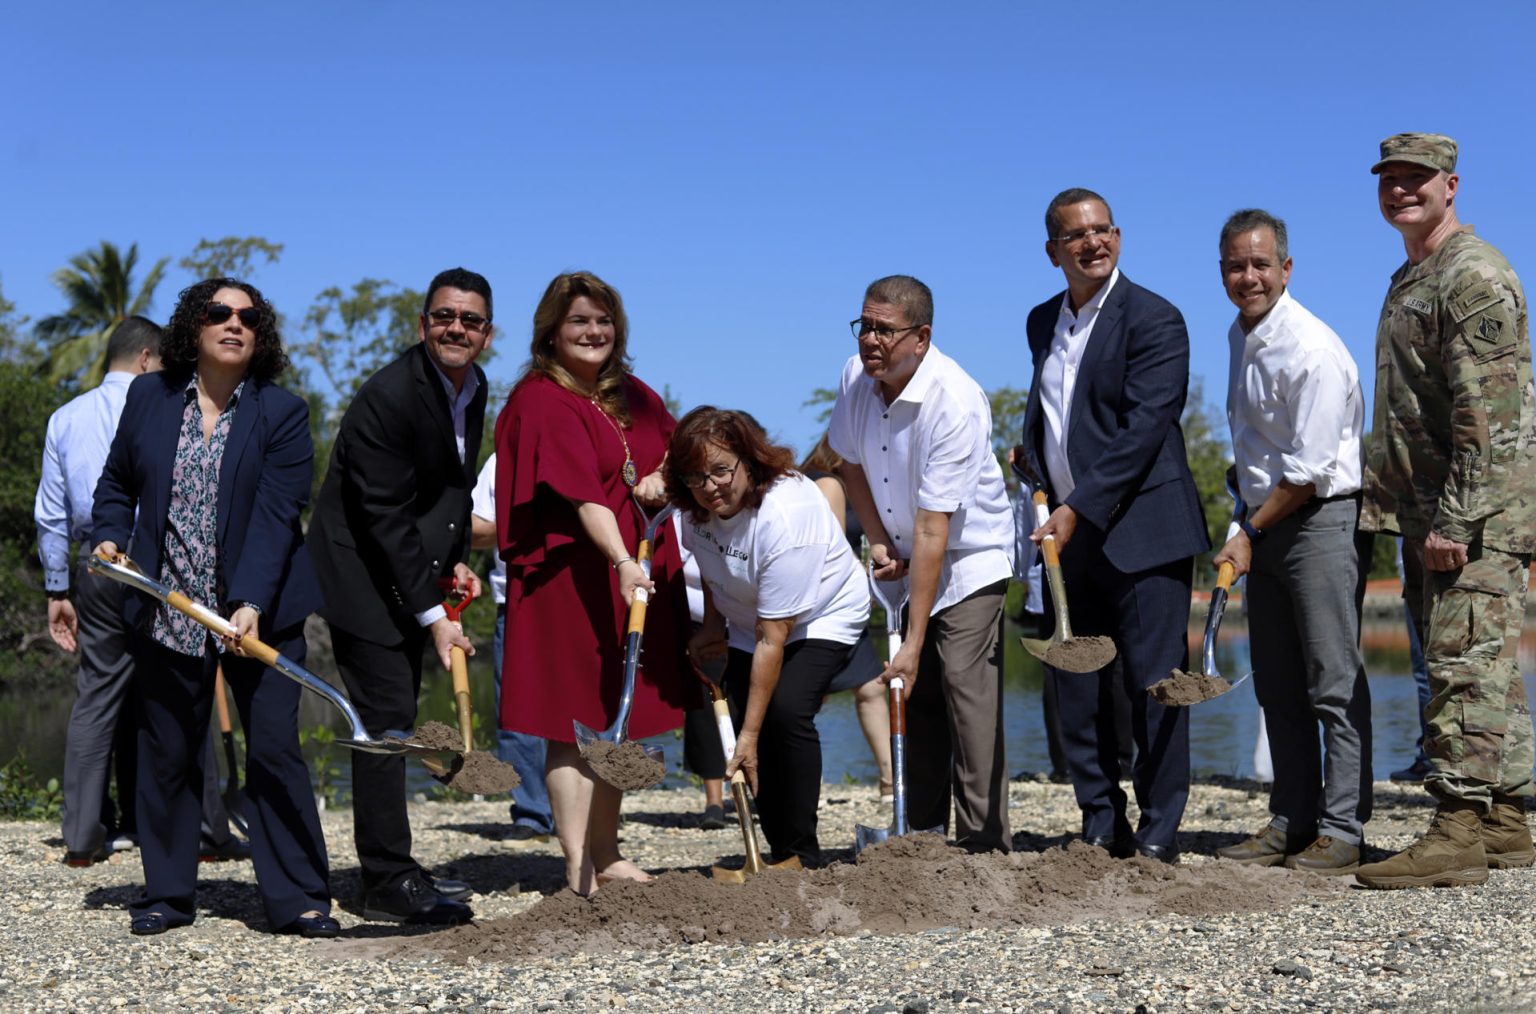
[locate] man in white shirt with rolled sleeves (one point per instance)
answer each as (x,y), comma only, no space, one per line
(915,433)
(1296,412)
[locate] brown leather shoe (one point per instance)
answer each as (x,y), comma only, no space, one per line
(1328,856)
(1449,855)
(1267,848)
(1507,836)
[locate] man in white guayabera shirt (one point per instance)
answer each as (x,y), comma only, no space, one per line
(1296,412)
(915,433)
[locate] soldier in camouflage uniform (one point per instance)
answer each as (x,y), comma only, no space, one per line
(1452,468)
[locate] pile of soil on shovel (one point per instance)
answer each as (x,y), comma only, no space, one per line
(902,886)
(1081,654)
(625,766)
(475,773)
(1185,688)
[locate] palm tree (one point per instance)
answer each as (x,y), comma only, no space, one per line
(98,285)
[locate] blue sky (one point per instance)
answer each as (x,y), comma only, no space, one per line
(740,172)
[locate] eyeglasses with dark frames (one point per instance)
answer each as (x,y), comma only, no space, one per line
(218,313)
(719,476)
(444,317)
(884,335)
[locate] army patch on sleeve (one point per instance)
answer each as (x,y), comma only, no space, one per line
(1489,329)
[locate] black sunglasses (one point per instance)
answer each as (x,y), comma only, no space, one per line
(218,313)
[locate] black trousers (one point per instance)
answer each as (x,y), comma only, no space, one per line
(175,694)
(383,684)
(788,748)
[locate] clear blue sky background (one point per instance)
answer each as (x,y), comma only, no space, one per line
(740,172)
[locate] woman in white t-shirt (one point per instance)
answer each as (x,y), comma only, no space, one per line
(784,598)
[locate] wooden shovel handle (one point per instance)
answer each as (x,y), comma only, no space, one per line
(460,667)
(1047,544)
(219,700)
(1224,576)
(637,606)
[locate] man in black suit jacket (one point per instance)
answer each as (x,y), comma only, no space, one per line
(1101,433)
(392,520)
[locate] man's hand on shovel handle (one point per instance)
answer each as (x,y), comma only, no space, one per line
(446,634)
(904,665)
(887,565)
(745,758)
(1061,524)
(1238,552)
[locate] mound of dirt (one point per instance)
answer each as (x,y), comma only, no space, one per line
(1185,688)
(1081,654)
(624,767)
(482,774)
(902,886)
(437,736)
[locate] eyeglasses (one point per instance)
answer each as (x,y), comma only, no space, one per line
(472,321)
(1076,236)
(218,313)
(883,334)
(719,476)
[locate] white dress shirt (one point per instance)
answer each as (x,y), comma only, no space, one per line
(1058,379)
(458,402)
(1294,405)
(74,453)
(931,449)
(482,504)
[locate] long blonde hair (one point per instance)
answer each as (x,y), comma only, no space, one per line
(550,314)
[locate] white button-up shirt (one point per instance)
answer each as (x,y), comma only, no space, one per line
(1294,405)
(1058,379)
(74,453)
(931,449)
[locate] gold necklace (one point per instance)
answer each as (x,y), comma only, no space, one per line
(628,472)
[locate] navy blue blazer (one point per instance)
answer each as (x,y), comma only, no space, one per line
(264,482)
(1124,441)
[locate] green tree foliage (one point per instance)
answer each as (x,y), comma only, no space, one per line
(1008,404)
(1206,445)
(825,398)
(13,348)
(98,286)
(230,257)
(348,335)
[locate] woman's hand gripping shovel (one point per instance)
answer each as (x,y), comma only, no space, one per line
(893,602)
(609,753)
(392,742)
(1064,651)
(1181,688)
(754,858)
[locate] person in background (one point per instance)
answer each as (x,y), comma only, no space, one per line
(208,474)
(820,466)
(784,599)
(531,818)
(1296,413)
(101,725)
(579,447)
(1414,773)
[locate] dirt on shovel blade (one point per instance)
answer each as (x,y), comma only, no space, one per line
(437,736)
(625,766)
(1185,688)
(905,885)
(475,773)
(1081,654)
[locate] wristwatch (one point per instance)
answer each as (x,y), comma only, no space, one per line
(1254,534)
(58,594)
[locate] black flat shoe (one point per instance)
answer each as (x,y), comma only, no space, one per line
(149,924)
(415,901)
(82,859)
(1117,847)
(453,890)
(234,850)
(313,926)
(1162,853)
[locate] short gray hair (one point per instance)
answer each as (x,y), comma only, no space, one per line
(1249,219)
(1067,198)
(914,298)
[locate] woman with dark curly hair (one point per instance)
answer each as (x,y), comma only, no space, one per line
(208,472)
(784,599)
(579,445)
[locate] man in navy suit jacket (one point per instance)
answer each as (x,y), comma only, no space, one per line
(1102,437)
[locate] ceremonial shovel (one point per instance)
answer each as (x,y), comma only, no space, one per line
(618,732)
(125,570)
(863,835)
(1063,651)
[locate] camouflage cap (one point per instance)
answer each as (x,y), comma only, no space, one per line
(1433,150)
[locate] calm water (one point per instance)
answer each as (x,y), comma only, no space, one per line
(1221,731)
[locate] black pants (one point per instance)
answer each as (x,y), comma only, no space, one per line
(175,694)
(788,749)
(383,684)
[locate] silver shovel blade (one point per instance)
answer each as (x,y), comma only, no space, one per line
(864,837)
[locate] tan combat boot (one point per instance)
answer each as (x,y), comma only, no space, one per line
(1506,835)
(1449,855)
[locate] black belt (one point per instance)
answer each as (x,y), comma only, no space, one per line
(1356,495)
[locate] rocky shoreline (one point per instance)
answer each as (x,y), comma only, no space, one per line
(1082,934)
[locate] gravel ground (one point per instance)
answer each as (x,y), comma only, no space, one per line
(66,944)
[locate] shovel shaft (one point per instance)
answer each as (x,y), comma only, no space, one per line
(898,756)
(221,703)
(754,863)
(1218,606)
(1053,571)
(460,667)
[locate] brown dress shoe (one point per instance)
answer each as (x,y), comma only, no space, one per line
(1328,856)
(1506,835)
(1267,848)
(1449,855)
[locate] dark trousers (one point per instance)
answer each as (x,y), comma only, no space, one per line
(287,849)
(788,748)
(1147,614)
(384,684)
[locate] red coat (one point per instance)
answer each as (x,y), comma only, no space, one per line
(564,648)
